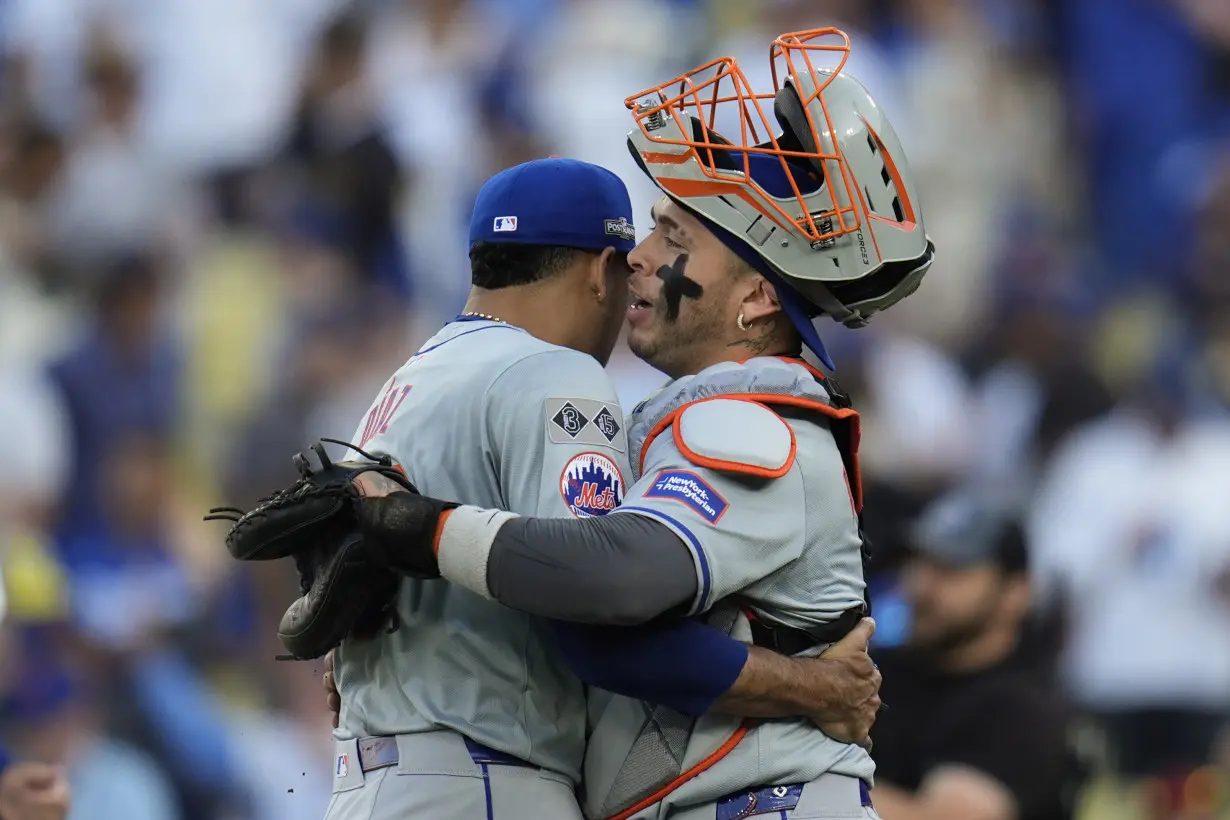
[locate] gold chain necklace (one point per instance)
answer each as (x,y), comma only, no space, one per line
(486,316)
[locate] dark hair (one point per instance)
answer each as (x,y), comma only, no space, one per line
(344,37)
(1012,550)
(34,136)
(122,277)
(495,265)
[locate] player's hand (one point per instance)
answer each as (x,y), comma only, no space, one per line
(333,699)
(33,791)
(400,530)
(852,683)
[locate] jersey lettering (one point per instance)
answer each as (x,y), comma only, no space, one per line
(378,417)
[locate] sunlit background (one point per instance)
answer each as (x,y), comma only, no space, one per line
(223,223)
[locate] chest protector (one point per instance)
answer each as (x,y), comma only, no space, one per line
(776,383)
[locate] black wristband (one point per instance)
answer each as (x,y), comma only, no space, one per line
(399,531)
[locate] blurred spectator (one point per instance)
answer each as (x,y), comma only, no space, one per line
(222,76)
(56,719)
(33,791)
(424,58)
(352,175)
(995,103)
(287,741)
(1151,157)
(34,436)
(33,160)
(138,645)
(1132,532)
(28,790)
(975,728)
(34,325)
(114,195)
(330,373)
(123,376)
(128,557)
(587,60)
(1209,291)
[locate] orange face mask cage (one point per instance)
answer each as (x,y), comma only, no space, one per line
(699,93)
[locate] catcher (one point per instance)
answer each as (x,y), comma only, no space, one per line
(507,406)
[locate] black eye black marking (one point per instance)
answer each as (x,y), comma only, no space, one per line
(676,285)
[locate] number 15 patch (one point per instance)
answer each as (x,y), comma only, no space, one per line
(585,421)
(688,488)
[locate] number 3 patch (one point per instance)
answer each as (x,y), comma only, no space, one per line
(585,421)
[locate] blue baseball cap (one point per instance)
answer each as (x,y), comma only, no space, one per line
(561,202)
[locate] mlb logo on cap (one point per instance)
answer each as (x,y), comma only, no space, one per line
(505,224)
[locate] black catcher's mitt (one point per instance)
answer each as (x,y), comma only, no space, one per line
(347,589)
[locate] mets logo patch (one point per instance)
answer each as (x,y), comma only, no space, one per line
(689,488)
(591,484)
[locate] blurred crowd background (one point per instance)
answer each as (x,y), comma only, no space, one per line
(223,223)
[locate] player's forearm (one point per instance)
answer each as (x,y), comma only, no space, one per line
(678,663)
(618,569)
(773,685)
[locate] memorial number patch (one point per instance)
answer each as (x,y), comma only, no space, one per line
(606,424)
(585,421)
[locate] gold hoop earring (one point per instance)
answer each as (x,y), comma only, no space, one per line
(744,327)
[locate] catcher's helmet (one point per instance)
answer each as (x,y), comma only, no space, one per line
(825,197)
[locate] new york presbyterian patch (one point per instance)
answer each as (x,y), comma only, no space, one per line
(690,489)
(591,484)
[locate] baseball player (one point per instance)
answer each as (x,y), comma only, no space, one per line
(745,504)
(468,710)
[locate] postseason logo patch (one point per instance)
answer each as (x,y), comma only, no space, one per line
(689,488)
(622,228)
(591,484)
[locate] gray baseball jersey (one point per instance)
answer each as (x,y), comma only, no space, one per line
(487,414)
(761,497)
